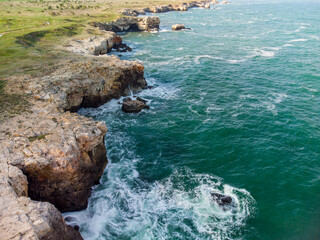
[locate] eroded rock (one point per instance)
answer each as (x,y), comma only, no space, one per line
(22,218)
(178,27)
(52,155)
(97,45)
(133,24)
(88,83)
(134,106)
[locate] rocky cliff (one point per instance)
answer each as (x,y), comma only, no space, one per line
(51,155)
(168,8)
(130,24)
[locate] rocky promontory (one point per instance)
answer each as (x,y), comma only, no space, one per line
(130,24)
(52,155)
(168,8)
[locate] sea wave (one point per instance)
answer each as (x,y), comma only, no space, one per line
(299,40)
(180,205)
(197,58)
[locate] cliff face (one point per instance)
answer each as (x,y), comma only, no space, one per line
(88,83)
(51,155)
(127,24)
(22,218)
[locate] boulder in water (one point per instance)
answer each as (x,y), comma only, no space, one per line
(134,106)
(178,27)
(224,201)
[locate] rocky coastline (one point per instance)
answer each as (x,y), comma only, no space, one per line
(50,156)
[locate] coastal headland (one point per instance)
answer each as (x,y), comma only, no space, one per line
(50,156)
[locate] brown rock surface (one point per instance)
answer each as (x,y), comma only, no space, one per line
(88,83)
(134,106)
(95,45)
(22,218)
(51,155)
(170,7)
(131,24)
(178,27)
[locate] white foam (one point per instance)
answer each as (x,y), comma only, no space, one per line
(127,207)
(299,40)
(213,108)
(300,28)
(161,91)
(165,61)
(279,97)
(315,37)
(197,58)
(234,61)
(264,53)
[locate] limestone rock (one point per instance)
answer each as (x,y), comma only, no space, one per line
(178,27)
(96,45)
(22,218)
(132,24)
(51,155)
(18,181)
(88,83)
(63,154)
(134,106)
(129,12)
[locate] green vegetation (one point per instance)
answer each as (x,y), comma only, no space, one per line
(11,104)
(40,137)
(31,29)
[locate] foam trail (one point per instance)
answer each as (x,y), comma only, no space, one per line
(299,40)
(141,212)
(197,58)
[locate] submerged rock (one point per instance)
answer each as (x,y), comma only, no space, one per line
(178,27)
(134,106)
(224,201)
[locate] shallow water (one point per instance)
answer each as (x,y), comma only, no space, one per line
(234,110)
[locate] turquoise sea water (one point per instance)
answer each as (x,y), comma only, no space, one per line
(235,109)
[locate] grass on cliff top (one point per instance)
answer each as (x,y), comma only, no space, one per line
(30,29)
(11,104)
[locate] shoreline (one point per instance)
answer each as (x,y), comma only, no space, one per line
(48,153)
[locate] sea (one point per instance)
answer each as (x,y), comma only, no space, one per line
(235,111)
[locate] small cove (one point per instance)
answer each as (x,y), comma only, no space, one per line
(234,110)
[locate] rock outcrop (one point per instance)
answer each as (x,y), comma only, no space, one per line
(48,154)
(97,45)
(133,24)
(22,218)
(224,201)
(135,12)
(178,27)
(168,8)
(88,83)
(134,106)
